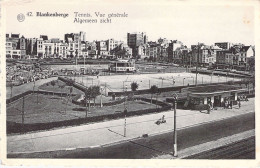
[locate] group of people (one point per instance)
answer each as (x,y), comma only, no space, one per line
(227,103)
(242,98)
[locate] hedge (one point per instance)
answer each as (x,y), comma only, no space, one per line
(83,103)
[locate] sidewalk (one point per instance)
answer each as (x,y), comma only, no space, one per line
(104,133)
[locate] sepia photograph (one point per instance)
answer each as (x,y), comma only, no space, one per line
(158,80)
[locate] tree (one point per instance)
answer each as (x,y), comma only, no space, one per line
(154,89)
(53,83)
(91,93)
(134,86)
(95,92)
(87,99)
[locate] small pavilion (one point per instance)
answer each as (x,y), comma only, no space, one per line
(215,94)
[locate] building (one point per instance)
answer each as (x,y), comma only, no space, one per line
(216,94)
(112,44)
(31,46)
(44,37)
(204,54)
(82,36)
(121,51)
(102,48)
(153,51)
(15,46)
(236,57)
(137,41)
(224,45)
(174,51)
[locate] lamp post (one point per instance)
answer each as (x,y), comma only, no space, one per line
(226,76)
(175,97)
(101,89)
(125,112)
(197,66)
(162,82)
(192,79)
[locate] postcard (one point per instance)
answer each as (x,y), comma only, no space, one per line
(129,83)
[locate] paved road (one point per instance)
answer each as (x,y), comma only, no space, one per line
(244,149)
(160,144)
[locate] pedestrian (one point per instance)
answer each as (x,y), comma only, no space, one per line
(208,109)
(231,103)
(226,104)
(163,118)
(239,103)
(246,99)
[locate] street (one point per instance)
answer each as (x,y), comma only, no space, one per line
(144,148)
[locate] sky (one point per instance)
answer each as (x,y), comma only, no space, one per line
(175,20)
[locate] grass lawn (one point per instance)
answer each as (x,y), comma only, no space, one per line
(57,87)
(50,109)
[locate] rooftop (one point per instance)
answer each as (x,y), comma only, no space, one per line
(214,88)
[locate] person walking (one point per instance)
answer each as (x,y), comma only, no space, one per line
(239,103)
(208,109)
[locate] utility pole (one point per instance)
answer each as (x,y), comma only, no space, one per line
(38,96)
(197,66)
(190,63)
(33,85)
(175,97)
(105,89)
(101,89)
(125,110)
(23,113)
(11,89)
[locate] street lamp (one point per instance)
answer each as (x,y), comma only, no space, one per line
(125,112)
(192,79)
(226,76)
(101,90)
(175,98)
